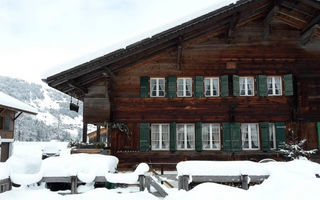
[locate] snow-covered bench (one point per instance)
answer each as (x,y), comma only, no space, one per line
(243,172)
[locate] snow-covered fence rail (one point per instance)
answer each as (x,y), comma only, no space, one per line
(5,185)
(73,180)
(184,181)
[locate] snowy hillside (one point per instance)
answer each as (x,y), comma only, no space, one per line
(54,119)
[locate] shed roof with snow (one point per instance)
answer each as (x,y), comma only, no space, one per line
(12,103)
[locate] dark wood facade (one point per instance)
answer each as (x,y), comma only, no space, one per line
(249,38)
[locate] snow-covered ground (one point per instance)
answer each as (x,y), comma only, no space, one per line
(293,180)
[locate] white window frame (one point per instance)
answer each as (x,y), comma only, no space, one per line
(246,86)
(211,125)
(272,130)
(249,136)
(184,87)
(157,87)
(185,133)
(211,86)
(160,137)
(274,86)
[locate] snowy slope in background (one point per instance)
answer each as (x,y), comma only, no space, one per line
(54,119)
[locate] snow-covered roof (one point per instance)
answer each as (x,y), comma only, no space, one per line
(14,104)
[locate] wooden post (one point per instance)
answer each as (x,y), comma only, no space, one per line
(84,133)
(183,183)
(74,184)
(244,181)
(98,134)
(148,183)
(141,182)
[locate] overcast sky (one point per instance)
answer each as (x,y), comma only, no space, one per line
(42,37)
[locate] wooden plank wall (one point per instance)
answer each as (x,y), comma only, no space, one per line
(250,55)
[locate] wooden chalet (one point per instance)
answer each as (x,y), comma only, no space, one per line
(228,85)
(10,110)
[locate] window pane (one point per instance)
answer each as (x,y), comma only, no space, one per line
(277,85)
(190,136)
(7,124)
(254,136)
(1,123)
(205,136)
(250,86)
(242,86)
(188,87)
(245,136)
(207,86)
(272,135)
(215,87)
(269,85)
(216,136)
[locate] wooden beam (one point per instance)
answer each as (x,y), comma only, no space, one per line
(293,6)
(273,12)
(84,132)
(306,36)
(2,111)
(233,23)
(78,87)
(109,72)
(17,116)
(311,3)
(315,20)
(179,52)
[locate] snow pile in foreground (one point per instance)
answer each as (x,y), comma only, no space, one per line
(27,169)
(293,180)
(100,193)
(128,178)
(4,171)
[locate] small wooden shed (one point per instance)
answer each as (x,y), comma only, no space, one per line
(10,109)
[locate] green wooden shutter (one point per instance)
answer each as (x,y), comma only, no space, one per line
(224,85)
(288,85)
(144,85)
(265,138)
(226,131)
(198,136)
(7,124)
(262,85)
(280,134)
(318,125)
(172,136)
(171,86)
(235,80)
(144,137)
(236,144)
(198,86)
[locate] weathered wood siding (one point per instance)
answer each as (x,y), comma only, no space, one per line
(248,54)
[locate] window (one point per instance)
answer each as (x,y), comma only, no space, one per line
(184,87)
(7,124)
(157,86)
(211,87)
(185,136)
(274,86)
(250,136)
(211,136)
(160,136)
(246,86)
(272,134)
